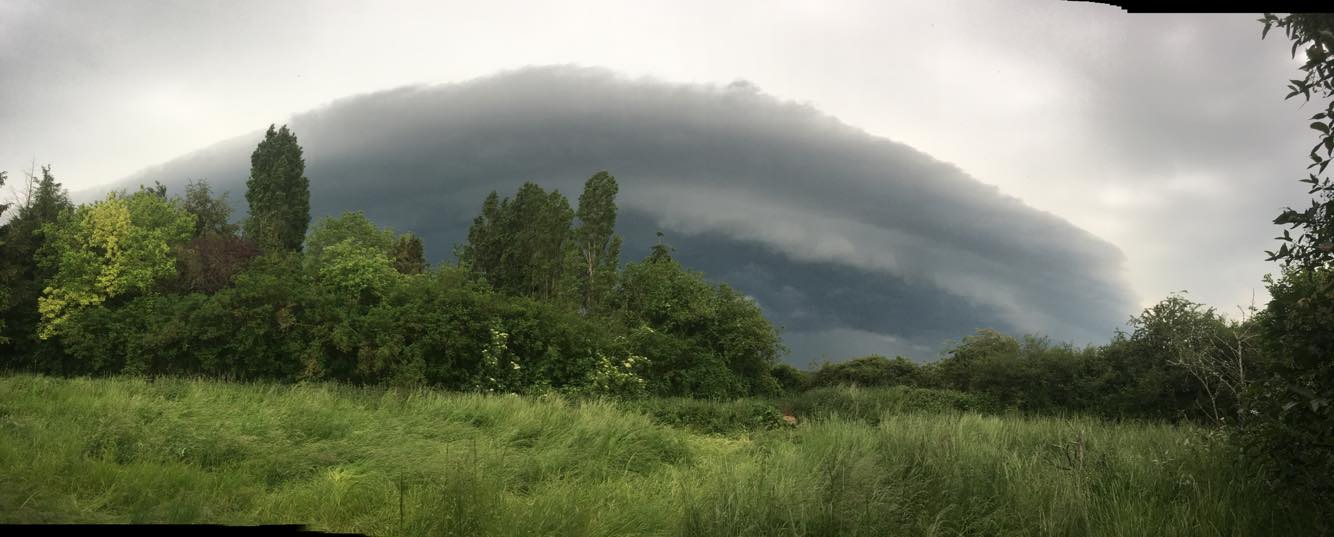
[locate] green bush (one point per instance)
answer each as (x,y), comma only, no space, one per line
(1291,429)
(871,370)
(790,379)
(701,340)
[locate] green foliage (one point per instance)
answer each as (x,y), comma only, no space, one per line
(426,329)
(596,246)
(616,378)
(409,255)
(985,343)
(443,329)
(352,227)
(681,367)
(1294,430)
(661,251)
(499,371)
(961,367)
(868,371)
(700,340)
(1172,365)
(212,215)
(104,250)
(482,252)
(255,329)
(266,312)
(789,378)
(41,202)
(356,270)
(557,347)
(521,245)
(146,285)
(359,306)
(278,193)
(208,263)
(1176,326)
(147,335)
(1142,370)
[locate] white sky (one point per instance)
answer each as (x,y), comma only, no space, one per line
(1165,135)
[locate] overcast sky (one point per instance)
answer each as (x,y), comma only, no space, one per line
(1164,135)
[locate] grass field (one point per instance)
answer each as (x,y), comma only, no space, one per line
(392,462)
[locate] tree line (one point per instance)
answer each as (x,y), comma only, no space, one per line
(146,283)
(1177,360)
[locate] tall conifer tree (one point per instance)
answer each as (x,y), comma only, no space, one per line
(278,192)
(21,273)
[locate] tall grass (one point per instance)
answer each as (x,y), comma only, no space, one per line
(396,462)
(869,405)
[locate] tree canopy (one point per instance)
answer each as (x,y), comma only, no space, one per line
(109,248)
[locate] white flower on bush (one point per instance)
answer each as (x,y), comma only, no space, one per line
(497,361)
(616,378)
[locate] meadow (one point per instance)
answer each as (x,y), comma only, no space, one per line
(418,462)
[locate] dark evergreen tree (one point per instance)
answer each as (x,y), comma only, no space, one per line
(278,193)
(42,203)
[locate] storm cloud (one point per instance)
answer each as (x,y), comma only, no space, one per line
(853,243)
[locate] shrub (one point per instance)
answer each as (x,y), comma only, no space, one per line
(871,370)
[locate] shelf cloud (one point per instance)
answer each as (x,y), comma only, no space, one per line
(852,243)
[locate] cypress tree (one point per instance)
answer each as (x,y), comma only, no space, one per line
(278,193)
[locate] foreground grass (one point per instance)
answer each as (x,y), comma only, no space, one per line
(390,462)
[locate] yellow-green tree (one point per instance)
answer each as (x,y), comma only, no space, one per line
(119,245)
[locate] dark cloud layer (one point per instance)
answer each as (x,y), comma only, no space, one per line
(853,243)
